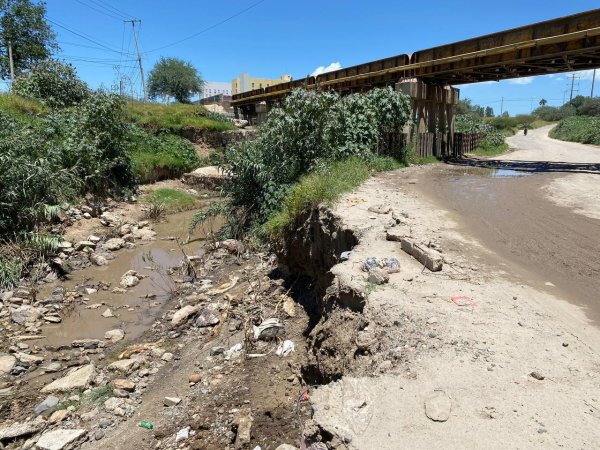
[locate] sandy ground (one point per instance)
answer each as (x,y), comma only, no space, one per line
(479,357)
(580,191)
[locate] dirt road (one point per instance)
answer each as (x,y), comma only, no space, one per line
(527,217)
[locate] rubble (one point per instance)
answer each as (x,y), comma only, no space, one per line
(78,379)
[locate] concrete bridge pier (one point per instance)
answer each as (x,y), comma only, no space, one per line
(433,117)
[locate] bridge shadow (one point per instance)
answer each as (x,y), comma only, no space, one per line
(528,166)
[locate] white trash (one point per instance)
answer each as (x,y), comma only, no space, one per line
(285,348)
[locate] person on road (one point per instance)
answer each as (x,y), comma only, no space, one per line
(525,131)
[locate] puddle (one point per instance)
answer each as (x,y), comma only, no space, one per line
(501,173)
(135,310)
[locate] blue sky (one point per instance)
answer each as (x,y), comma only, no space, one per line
(282,36)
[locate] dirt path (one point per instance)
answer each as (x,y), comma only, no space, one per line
(478,361)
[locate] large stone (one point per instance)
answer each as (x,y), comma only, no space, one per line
(183,314)
(21,429)
(437,406)
(126,385)
(113,403)
(78,379)
(171,401)
(7,362)
(129,279)
(144,234)
(58,439)
(49,402)
(286,447)
(98,260)
(378,276)
(114,335)
(124,365)
(25,313)
(114,244)
(110,219)
(430,258)
(207,318)
(29,359)
(84,244)
(244,421)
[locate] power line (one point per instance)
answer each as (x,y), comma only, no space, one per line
(111,15)
(82,35)
(84,46)
(239,13)
(111,7)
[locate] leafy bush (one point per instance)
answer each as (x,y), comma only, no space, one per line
(159,157)
(583,129)
(589,107)
(53,83)
(493,141)
(95,145)
(309,130)
(31,177)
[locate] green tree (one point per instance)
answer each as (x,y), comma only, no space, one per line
(173,77)
(53,83)
(489,111)
(23,24)
(543,102)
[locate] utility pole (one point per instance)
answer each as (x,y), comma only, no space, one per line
(502,106)
(133,21)
(10,60)
(572,86)
(593,81)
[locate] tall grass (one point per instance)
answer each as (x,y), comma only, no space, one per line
(582,129)
(324,186)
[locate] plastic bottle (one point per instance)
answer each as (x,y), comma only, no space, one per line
(146,424)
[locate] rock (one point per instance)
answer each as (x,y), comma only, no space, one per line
(378,276)
(240,123)
(124,365)
(144,234)
(183,314)
(289,306)
(129,279)
(171,401)
(120,393)
(84,244)
(98,434)
(395,234)
(430,258)
(286,447)
(50,402)
(60,264)
(114,335)
(380,209)
(7,362)
(207,318)
(21,429)
(108,313)
(87,343)
(93,238)
(25,313)
(58,439)
(113,403)
(114,244)
(29,359)
(195,378)
(53,319)
(437,406)
(157,352)
(52,367)
(125,229)
(98,260)
(58,416)
(537,376)
(110,219)
(87,216)
(122,383)
(167,356)
(217,350)
(244,432)
(78,379)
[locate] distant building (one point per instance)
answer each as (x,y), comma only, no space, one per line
(212,88)
(245,83)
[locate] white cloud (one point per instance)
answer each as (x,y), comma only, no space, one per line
(525,80)
(330,68)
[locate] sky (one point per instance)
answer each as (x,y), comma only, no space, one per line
(267,38)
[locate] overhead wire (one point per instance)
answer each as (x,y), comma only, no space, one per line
(239,13)
(112,16)
(82,35)
(111,7)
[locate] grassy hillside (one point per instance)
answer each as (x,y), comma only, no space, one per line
(582,129)
(154,117)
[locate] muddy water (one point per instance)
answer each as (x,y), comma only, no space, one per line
(135,310)
(550,246)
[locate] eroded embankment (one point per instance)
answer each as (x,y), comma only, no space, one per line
(346,338)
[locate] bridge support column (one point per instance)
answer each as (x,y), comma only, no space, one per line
(433,116)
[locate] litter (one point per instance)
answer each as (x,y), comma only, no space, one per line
(223,287)
(234,351)
(463,300)
(285,348)
(268,329)
(345,256)
(390,265)
(146,424)
(183,434)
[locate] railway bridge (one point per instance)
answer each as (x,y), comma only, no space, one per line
(560,45)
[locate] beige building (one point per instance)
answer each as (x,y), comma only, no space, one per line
(245,83)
